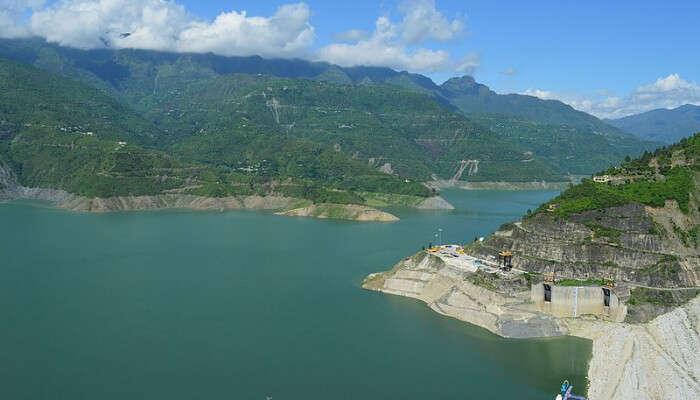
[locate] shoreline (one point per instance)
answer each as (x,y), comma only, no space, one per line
(661,357)
(280,205)
(497,185)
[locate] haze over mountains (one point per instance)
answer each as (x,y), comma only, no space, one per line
(662,125)
(272,120)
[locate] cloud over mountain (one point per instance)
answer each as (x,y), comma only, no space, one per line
(666,92)
(160,25)
(397,44)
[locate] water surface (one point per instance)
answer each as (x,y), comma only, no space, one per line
(244,305)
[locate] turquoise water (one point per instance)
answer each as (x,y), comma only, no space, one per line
(244,305)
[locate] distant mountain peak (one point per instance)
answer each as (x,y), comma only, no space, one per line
(662,124)
(465,85)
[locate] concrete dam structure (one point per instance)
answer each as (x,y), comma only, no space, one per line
(576,301)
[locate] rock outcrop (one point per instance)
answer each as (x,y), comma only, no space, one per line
(466,296)
(656,360)
(625,243)
(351,212)
(435,203)
(10,189)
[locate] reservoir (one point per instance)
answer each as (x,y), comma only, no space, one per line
(249,305)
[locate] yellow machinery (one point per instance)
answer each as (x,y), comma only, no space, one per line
(549,277)
(505,258)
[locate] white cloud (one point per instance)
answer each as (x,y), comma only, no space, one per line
(667,92)
(383,49)
(509,71)
(422,21)
(286,33)
(12,16)
(468,64)
(87,24)
(163,25)
(395,44)
(352,35)
(542,94)
(167,25)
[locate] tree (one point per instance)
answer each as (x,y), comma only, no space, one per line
(628,158)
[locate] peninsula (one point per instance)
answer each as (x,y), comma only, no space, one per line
(614,259)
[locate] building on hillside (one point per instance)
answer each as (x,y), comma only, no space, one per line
(576,301)
(601,178)
(552,207)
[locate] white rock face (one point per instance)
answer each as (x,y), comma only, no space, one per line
(657,360)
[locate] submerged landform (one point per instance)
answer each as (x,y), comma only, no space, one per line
(614,259)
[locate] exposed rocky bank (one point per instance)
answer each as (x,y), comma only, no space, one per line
(341,211)
(289,206)
(655,360)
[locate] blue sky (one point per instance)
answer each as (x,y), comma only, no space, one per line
(610,58)
(560,45)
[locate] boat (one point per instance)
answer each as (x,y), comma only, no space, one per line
(565,392)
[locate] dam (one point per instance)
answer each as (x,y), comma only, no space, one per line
(577,301)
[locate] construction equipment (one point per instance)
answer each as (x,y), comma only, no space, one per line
(549,277)
(505,258)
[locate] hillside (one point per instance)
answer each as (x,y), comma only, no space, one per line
(139,78)
(640,228)
(386,127)
(564,148)
(662,125)
(616,262)
(60,134)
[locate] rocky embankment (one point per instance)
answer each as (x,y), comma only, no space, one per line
(656,360)
(10,189)
(633,243)
(163,201)
(341,211)
(466,296)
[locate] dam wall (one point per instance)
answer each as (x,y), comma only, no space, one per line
(576,301)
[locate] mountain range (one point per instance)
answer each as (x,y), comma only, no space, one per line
(662,125)
(248,123)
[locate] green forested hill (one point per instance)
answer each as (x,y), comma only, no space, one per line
(58,133)
(405,132)
(566,149)
(143,79)
(662,125)
(669,173)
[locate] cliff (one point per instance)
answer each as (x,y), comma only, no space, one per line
(656,360)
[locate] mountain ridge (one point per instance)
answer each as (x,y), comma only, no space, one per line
(662,124)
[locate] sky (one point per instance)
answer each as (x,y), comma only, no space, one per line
(608,58)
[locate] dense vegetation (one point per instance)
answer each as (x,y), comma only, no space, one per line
(566,149)
(58,133)
(379,125)
(669,173)
(375,115)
